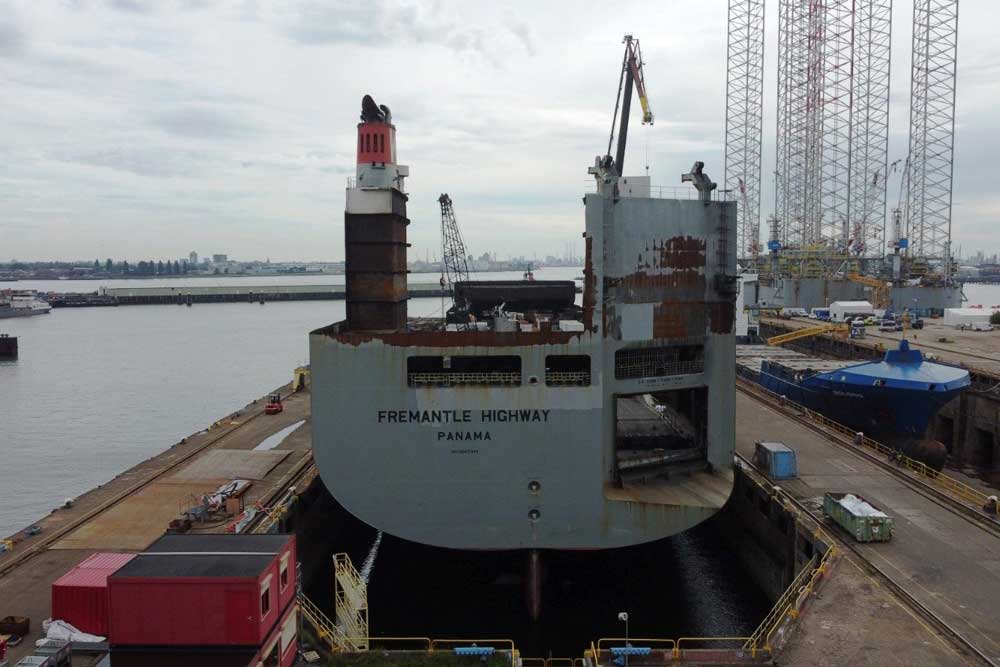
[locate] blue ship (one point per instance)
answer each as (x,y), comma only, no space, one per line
(892,400)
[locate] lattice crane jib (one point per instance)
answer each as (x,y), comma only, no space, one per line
(454,256)
(870,127)
(744,117)
(932,129)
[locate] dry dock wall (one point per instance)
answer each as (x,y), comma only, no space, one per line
(771,544)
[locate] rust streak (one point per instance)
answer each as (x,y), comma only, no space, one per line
(682,252)
(459,338)
(589,287)
(678,319)
(721,317)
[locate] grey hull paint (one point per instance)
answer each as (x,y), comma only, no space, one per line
(412,481)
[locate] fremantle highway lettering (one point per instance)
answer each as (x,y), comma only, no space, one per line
(440,418)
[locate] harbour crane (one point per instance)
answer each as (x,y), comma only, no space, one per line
(631,75)
(454,262)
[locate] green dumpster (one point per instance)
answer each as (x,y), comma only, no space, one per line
(859,517)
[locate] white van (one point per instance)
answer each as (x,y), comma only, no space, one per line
(982,326)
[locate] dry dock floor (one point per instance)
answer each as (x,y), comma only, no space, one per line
(154,493)
(949,564)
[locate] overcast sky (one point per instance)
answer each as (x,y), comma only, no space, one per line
(135,129)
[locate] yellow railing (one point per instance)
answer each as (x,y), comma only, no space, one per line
(445,644)
(760,639)
(411,643)
(949,485)
(344,566)
(734,642)
(803,593)
(326,630)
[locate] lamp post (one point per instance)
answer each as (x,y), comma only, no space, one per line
(623,616)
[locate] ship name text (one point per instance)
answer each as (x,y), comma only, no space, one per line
(461,416)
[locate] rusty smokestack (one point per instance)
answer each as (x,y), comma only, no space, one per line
(375,227)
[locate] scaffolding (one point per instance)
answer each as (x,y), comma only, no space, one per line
(870,127)
(744,118)
(834,36)
(932,129)
(799,164)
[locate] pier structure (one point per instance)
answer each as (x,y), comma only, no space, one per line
(132,510)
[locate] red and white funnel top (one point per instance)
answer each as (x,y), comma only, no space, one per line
(377,166)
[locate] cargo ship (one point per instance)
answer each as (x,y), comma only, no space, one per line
(892,400)
(532,422)
(21,303)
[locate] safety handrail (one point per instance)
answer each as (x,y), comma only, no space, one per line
(760,637)
(691,640)
(663,642)
(326,630)
(804,592)
(425,642)
(451,643)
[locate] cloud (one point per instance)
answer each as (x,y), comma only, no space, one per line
(134,6)
(152,162)
(12,40)
(381,23)
(200,123)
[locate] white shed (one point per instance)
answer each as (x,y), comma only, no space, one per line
(840,310)
(956,317)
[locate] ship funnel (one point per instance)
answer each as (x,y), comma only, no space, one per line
(375,227)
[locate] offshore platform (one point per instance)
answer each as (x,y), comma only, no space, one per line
(831,236)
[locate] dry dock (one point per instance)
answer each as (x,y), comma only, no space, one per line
(925,598)
(129,512)
(948,562)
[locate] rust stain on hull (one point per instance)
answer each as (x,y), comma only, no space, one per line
(452,338)
(673,319)
(681,252)
(589,287)
(722,317)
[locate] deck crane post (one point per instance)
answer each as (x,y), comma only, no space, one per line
(454,262)
(631,75)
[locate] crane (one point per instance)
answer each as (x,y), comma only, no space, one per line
(807,332)
(631,74)
(454,265)
(880,290)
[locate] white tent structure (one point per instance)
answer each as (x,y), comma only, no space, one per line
(839,310)
(956,317)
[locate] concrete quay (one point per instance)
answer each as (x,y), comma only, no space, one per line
(130,511)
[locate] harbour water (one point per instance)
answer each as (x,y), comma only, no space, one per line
(97,390)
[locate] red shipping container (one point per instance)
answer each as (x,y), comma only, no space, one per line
(80,597)
(203,590)
(279,649)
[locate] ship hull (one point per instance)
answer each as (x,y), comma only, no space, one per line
(887,414)
(7,313)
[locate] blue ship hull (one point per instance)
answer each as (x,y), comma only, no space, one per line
(887,414)
(892,400)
